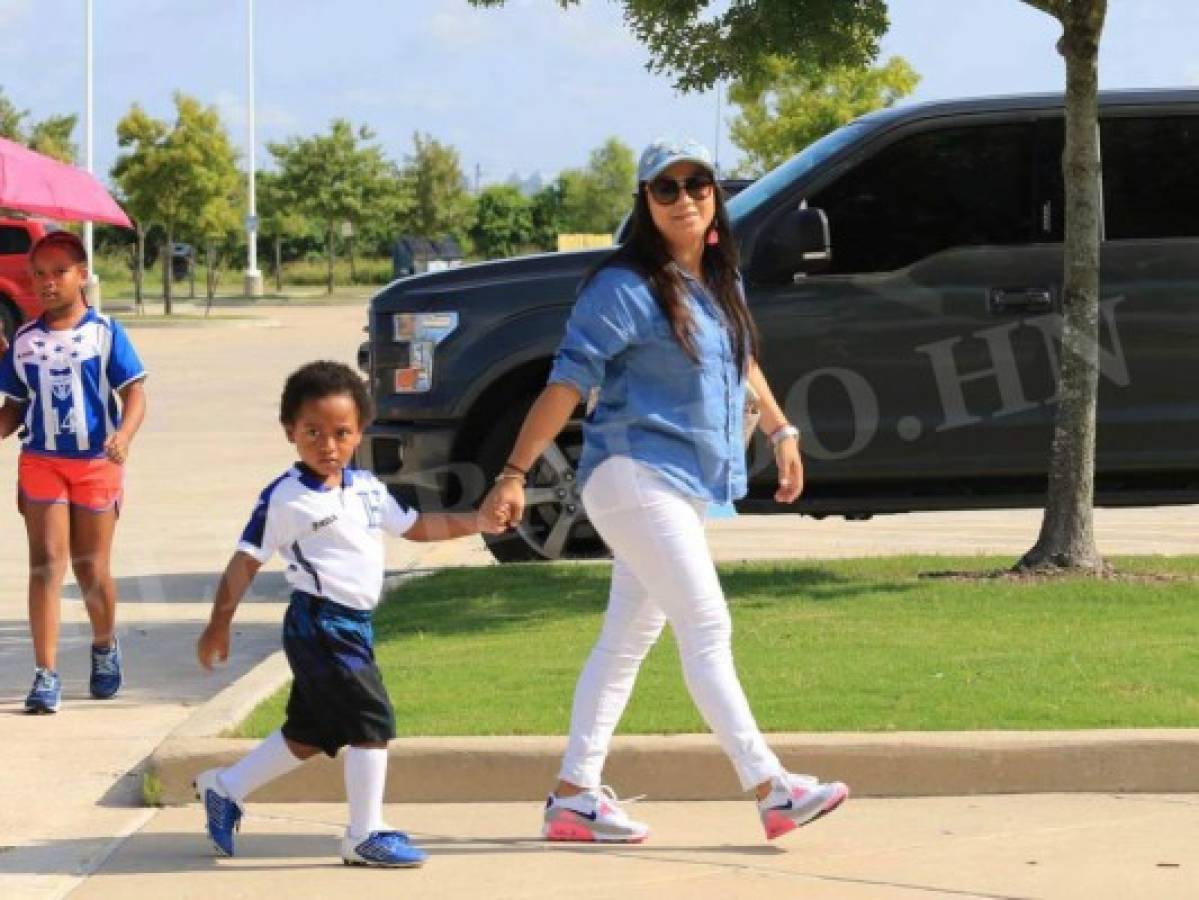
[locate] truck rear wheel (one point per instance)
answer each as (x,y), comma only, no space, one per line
(555,524)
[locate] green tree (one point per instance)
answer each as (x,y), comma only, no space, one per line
(594,200)
(387,210)
(545,213)
(1067,536)
(51,136)
(11,119)
(700,42)
(440,202)
(503,222)
(279,216)
(172,173)
(330,176)
(788,105)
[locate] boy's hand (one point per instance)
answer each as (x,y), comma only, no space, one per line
(213,645)
(116,448)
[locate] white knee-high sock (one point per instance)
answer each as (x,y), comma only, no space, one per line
(366,777)
(264,763)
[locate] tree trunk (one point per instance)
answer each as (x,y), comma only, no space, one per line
(332,252)
(1067,538)
(166,271)
(278,264)
(350,250)
(210,276)
(139,268)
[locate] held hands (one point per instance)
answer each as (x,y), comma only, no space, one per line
(504,505)
(213,646)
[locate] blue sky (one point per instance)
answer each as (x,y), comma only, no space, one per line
(521,89)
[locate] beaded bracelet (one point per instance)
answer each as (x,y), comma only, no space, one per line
(782,433)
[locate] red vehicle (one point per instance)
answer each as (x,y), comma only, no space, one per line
(18,303)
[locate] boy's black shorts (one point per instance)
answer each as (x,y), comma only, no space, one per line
(337,697)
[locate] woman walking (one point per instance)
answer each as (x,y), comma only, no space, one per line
(663,331)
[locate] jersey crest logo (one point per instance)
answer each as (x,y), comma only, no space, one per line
(372,503)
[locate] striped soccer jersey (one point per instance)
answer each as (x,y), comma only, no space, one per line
(330,538)
(69,379)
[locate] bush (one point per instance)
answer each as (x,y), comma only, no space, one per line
(313,273)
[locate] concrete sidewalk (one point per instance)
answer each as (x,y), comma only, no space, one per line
(71,785)
(70,789)
(1080,847)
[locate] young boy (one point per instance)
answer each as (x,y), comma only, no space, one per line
(325,519)
(61,380)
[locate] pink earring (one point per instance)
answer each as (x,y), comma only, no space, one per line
(713,237)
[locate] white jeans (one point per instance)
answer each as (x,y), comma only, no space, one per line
(663,572)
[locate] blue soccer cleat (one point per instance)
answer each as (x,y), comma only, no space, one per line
(389,849)
(222,811)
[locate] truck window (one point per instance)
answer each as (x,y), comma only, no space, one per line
(1150,177)
(930,192)
(13,241)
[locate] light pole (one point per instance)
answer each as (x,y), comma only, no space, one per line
(253,282)
(93,280)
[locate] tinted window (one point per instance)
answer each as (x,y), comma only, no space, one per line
(13,240)
(930,192)
(1151,177)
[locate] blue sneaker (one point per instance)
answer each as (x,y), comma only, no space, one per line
(389,849)
(46,694)
(106,671)
(223,812)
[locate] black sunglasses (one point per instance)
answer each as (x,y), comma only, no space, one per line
(667,190)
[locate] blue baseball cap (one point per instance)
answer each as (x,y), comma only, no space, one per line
(662,154)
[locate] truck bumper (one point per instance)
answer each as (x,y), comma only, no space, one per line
(416,461)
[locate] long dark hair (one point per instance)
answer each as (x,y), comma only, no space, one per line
(646,252)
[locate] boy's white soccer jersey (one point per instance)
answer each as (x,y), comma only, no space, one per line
(70,380)
(330,538)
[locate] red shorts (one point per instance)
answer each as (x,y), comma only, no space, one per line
(95,484)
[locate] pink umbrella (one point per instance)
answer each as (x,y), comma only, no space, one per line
(43,186)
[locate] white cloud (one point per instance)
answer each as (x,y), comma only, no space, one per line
(232,110)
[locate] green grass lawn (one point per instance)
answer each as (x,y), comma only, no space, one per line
(856,645)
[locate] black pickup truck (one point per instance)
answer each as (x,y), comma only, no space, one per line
(905,273)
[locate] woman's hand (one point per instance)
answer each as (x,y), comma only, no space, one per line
(504,505)
(790,468)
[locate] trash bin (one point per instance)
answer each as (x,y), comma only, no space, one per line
(182,258)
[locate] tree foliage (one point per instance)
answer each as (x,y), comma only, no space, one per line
(440,203)
(700,42)
(331,176)
(788,105)
(503,222)
(51,136)
(178,175)
(594,199)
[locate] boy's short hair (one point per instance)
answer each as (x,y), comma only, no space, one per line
(315,380)
(67,240)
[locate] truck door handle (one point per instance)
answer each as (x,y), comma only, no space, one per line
(1019,299)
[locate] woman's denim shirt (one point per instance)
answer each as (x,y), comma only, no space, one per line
(655,405)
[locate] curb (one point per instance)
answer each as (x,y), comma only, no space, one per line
(693,767)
